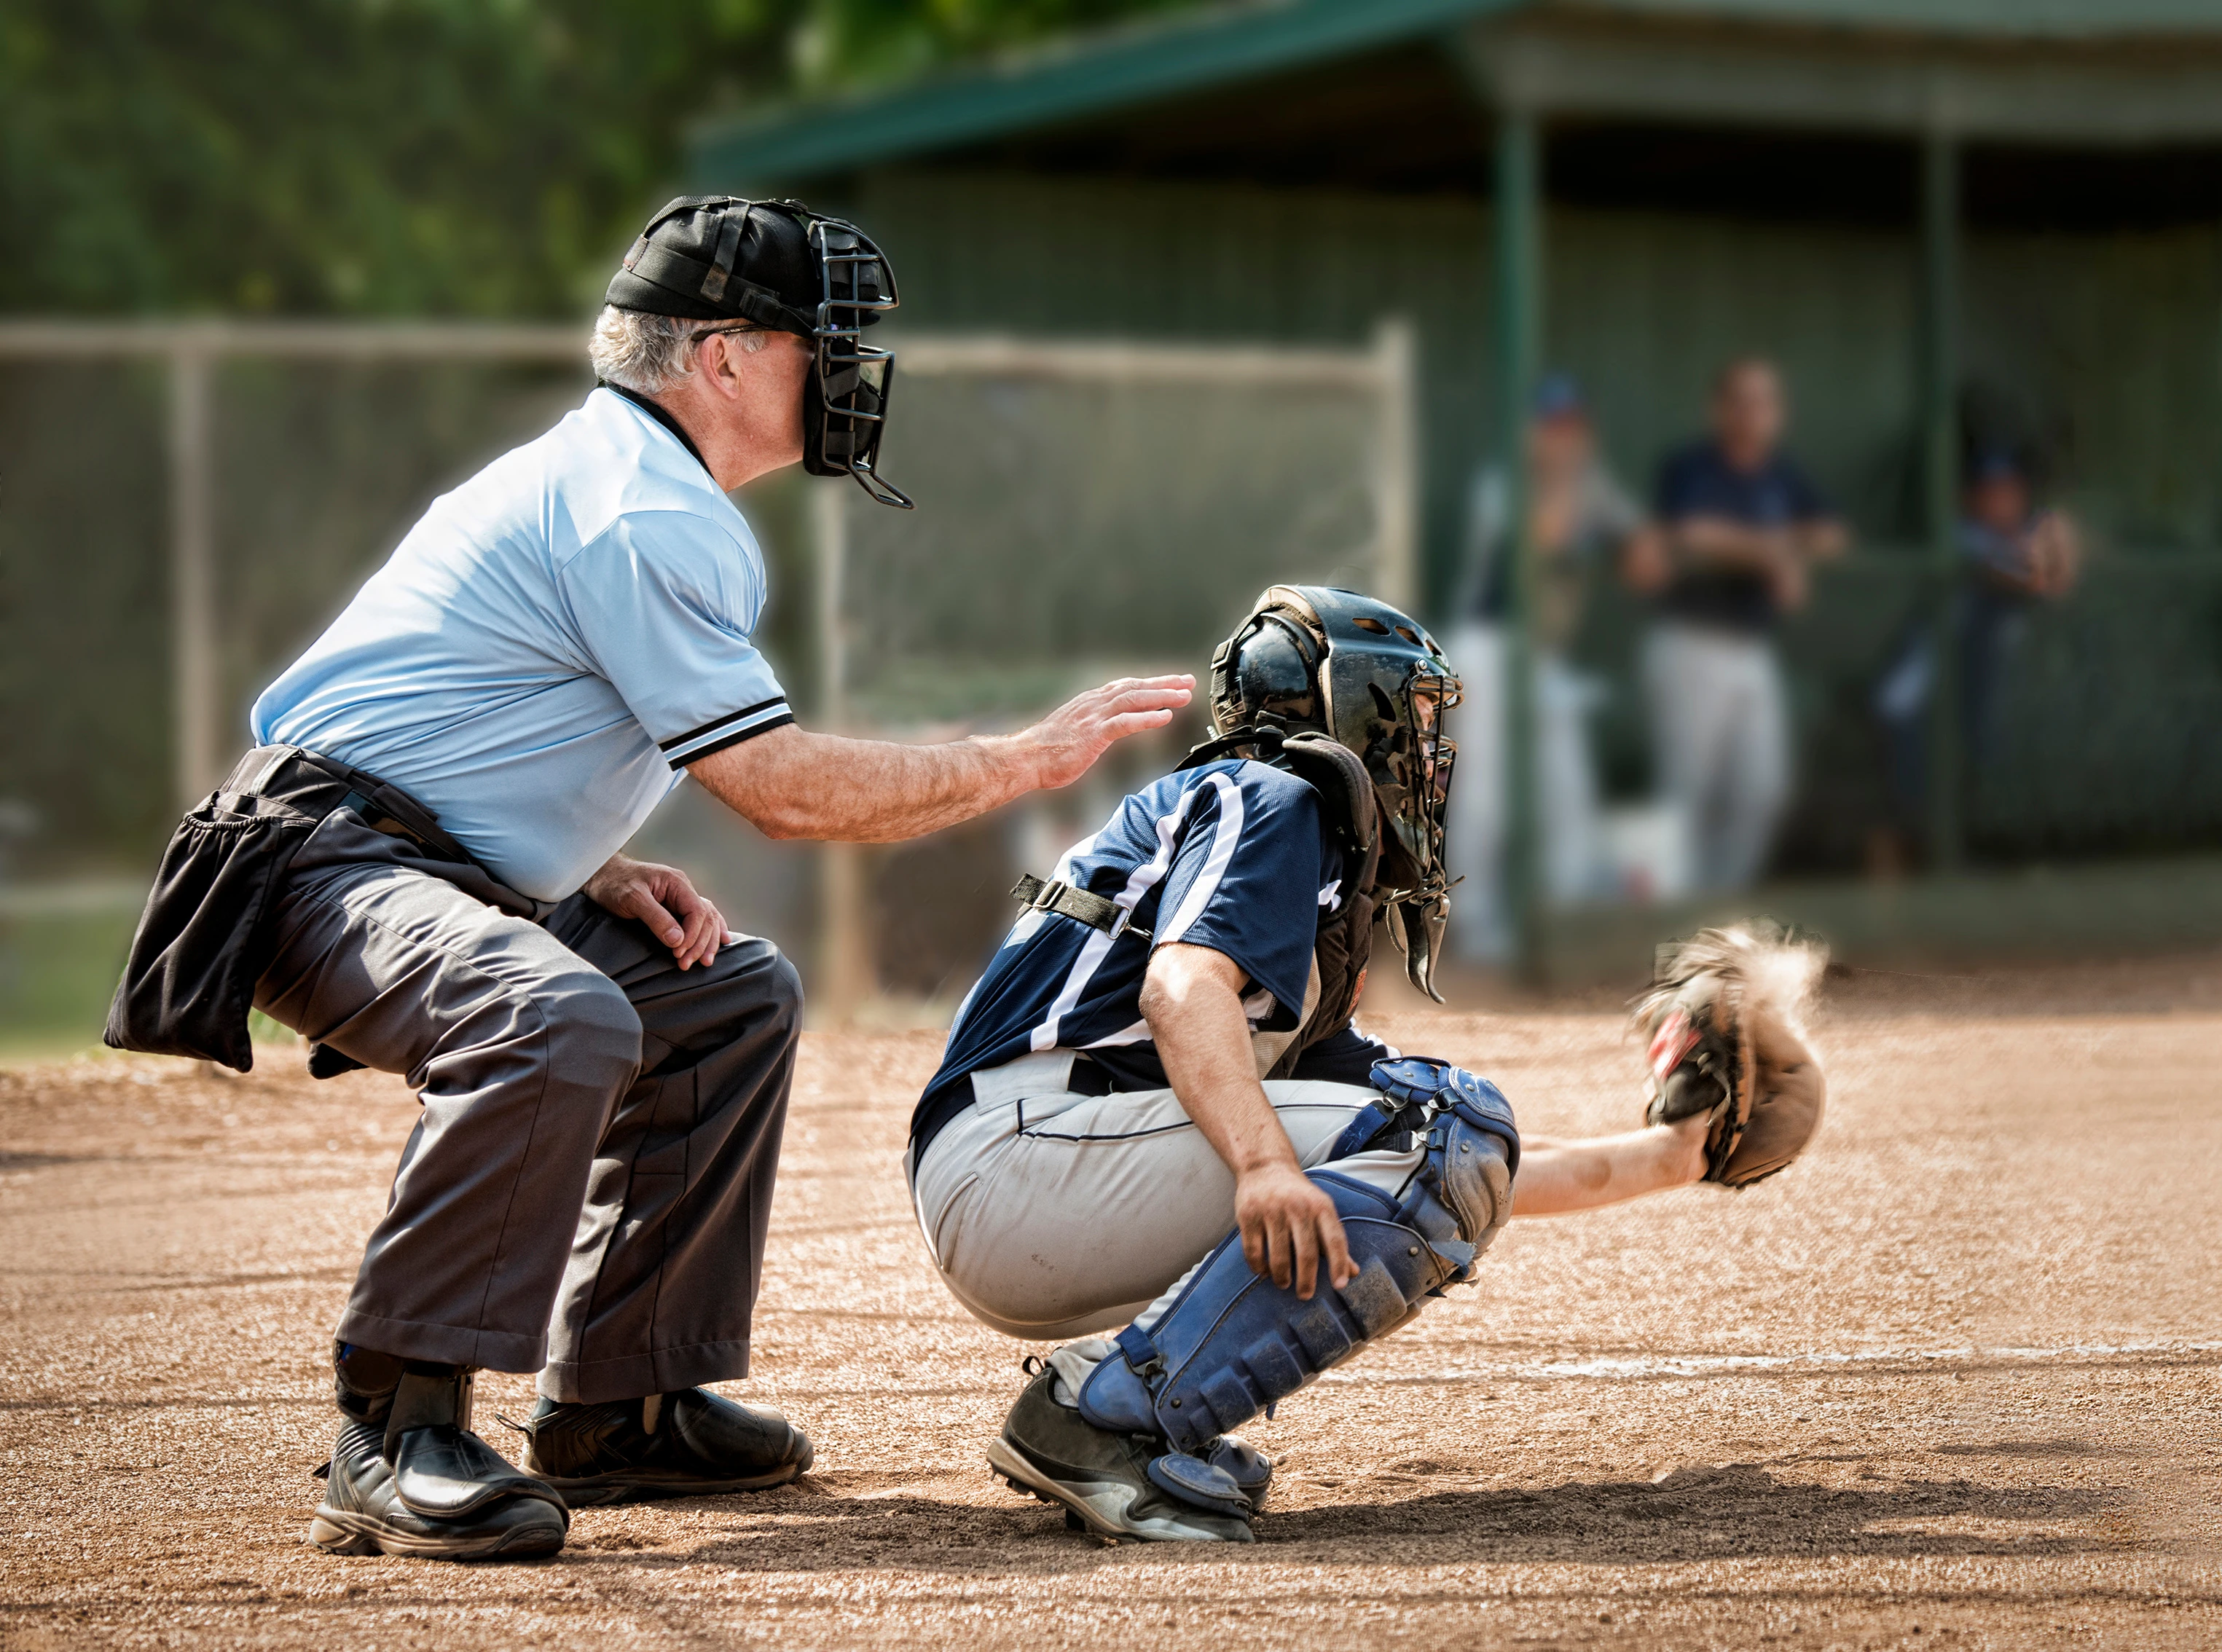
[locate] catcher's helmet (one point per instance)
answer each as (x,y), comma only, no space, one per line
(779,265)
(1313,659)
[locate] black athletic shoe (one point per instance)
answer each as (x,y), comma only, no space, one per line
(688,1444)
(415,1480)
(1102,1479)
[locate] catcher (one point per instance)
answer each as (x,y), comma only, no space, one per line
(1154,1113)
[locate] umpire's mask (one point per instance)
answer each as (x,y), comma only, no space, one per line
(1335,662)
(777,264)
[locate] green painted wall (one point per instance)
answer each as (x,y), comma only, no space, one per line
(2111,344)
(2110,347)
(1015,255)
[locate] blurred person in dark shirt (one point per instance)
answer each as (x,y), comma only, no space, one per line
(1583,524)
(2013,553)
(1743,528)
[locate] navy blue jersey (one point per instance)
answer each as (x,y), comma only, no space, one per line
(1231,855)
(1698,481)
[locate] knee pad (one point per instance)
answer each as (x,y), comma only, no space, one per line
(1233,1343)
(1473,1143)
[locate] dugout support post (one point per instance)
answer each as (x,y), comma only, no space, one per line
(1938,378)
(1518,263)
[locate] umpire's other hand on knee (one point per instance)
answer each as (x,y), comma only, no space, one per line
(1192,999)
(665,899)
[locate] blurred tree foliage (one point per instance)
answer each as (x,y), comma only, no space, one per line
(486,157)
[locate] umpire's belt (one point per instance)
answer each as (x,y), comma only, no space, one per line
(206,936)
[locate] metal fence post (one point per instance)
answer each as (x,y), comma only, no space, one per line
(847,972)
(1940,431)
(196,689)
(1519,257)
(1396,475)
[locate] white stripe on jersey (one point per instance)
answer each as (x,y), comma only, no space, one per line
(1224,837)
(1143,879)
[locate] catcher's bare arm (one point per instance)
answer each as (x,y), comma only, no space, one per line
(1192,998)
(1558,1178)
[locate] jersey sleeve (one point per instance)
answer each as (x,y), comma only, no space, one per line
(666,603)
(1249,879)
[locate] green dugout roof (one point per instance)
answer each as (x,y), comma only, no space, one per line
(2105,72)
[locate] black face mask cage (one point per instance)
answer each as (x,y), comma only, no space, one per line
(1418,758)
(844,411)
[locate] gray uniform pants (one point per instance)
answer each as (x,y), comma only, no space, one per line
(1053,1215)
(587,1190)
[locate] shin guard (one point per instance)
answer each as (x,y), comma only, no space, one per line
(1233,1343)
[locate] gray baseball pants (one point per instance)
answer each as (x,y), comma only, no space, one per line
(586,1191)
(1053,1215)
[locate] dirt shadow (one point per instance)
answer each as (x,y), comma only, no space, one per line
(1742,1511)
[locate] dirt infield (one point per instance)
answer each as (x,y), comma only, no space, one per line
(1952,1381)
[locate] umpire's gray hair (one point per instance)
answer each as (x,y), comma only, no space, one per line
(646,353)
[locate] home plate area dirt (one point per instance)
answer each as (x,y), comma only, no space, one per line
(1952,1381)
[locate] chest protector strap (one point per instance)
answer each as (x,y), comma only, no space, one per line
(1344,943)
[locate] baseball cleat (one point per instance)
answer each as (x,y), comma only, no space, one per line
(1102,1479)
(691,1443)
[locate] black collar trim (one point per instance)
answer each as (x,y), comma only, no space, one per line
(660,416)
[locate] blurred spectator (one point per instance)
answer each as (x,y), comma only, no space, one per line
(1743,527)
(1582,520)
(2012,555)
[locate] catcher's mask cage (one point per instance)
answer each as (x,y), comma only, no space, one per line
(1369,676)
(845,400)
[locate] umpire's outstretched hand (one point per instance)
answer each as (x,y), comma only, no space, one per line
(1066,744)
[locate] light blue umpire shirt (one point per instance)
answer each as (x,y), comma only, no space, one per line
(547,648)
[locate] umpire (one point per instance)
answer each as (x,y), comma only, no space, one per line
(418,869)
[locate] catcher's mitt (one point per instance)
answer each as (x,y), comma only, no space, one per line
(1722,1021)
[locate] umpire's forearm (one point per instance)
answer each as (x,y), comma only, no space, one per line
(794,783)
(1566,1177)
(791,783)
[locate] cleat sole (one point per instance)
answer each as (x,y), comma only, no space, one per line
(599,1491)
(1029,1481)
(338,1531)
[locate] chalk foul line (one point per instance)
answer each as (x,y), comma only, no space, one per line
(1651,1368)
